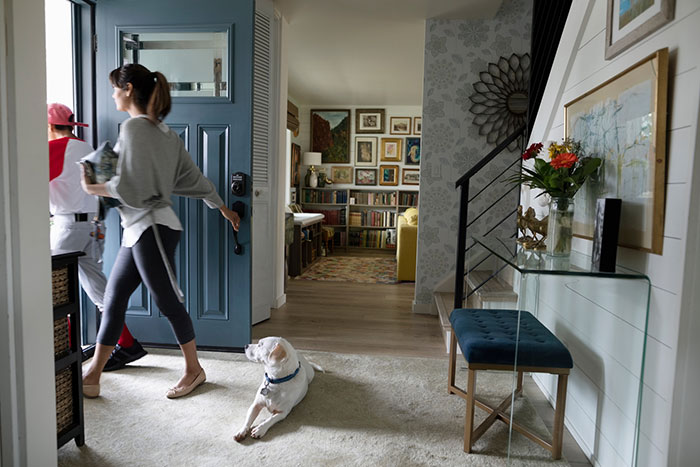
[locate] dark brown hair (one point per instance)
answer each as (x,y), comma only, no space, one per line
(151,89)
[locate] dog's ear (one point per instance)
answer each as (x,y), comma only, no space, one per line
(278,353)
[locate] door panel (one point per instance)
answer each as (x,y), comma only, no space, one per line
(216,132)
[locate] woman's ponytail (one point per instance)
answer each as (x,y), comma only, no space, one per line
(159,103)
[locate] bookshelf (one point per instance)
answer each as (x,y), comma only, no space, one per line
(362,219)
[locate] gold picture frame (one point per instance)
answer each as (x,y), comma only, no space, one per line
(390,149)
(389,175)
(633,104)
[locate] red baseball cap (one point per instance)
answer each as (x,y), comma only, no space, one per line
(60,114)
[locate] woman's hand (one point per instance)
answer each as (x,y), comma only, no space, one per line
(232,217)
(96,189)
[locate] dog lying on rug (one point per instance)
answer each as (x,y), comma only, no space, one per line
(287,378)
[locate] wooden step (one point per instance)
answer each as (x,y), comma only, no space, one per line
(444,301)
(495,293)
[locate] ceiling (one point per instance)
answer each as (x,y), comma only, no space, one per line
(364,52)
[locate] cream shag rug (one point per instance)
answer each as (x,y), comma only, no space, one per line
(364,411)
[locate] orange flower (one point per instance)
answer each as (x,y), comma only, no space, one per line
(564,160)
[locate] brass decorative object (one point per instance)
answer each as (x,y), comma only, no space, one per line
(537,228)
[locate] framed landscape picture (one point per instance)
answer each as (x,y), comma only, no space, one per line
(417,123)
(412,151)
(330,135)
(391,149)
(341,174)
(388,174)
(365,176)
(365,151)
(623,121)
(629,21)
(369,120)
(410,177)
(400,125)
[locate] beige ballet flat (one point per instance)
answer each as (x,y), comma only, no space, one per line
(91,390)
(174,393)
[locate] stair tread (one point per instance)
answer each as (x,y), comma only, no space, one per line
(444,303)
(496,288)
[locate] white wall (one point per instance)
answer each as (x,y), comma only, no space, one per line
(27,386)
(304,139)
(594,414)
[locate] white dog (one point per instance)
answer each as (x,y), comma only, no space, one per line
(287,377)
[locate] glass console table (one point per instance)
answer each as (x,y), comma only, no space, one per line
(602,318)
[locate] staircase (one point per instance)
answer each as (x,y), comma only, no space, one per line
(478,283)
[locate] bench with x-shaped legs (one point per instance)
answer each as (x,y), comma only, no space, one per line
(488,342)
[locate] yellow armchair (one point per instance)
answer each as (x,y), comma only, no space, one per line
(406,241)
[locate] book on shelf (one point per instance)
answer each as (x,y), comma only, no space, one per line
(408,199)
(324,197)
(340,238)
(387,198)
(373,218)
(373,238)
(330,216)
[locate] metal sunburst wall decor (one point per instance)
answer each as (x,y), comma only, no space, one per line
(500,98)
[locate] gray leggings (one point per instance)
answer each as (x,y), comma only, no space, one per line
(143,262)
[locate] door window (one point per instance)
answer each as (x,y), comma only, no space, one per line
(194,63)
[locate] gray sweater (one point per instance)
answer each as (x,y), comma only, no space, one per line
(153,165)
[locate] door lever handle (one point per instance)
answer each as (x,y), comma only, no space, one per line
(239,208)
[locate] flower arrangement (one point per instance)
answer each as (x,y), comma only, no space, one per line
(561,177)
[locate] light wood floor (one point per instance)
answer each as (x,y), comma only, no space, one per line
(348,317)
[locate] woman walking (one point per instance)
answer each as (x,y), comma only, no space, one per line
(153,165)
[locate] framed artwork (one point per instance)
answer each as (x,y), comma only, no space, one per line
(341,174)
(296,161)
(388,174)
(410,177)
(629,21)
(365,176)
(391,149)
(369,120)
(365,151)
(330,135)
(623,121)
(417,124)
(412,151)
(400,125)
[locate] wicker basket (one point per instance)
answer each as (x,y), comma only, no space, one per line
(61,291)
(64,400)
(61,341)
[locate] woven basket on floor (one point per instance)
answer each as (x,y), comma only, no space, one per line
(60,286)
(61,341)
(64,400)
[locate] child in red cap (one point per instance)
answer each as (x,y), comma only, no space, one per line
(73,210)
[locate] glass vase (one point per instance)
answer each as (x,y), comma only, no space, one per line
(560,227)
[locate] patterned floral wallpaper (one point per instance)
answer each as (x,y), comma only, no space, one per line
(456,51)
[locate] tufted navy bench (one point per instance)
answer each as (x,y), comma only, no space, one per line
(487,339)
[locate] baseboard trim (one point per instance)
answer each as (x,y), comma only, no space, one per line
(280,301)
(424,308)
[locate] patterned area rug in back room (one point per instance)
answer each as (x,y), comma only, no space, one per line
(368,270)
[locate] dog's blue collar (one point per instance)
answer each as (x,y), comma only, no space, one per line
(269,380)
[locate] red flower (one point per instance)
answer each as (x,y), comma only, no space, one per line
(564,160)
(532,151)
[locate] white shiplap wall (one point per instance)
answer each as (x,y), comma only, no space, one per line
(604,378)
(304,138)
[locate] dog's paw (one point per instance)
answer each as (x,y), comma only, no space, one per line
(240,436)
(258,431)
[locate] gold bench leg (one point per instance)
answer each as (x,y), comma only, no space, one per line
(469,419)
(558,428)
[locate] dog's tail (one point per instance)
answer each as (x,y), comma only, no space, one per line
(317,367)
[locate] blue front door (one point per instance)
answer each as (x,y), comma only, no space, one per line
(205,49)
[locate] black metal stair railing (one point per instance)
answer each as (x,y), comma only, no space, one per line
(465,199)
